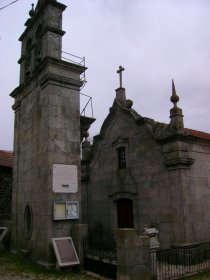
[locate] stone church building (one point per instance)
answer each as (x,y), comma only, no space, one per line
(136,172)
(141,172)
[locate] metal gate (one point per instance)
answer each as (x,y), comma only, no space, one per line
(100,252)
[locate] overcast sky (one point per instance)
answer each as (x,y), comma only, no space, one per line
(154,40)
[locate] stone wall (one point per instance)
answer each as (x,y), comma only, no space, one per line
(47,132)
(196,191)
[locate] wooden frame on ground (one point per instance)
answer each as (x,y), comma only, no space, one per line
(3,231)
(65,252)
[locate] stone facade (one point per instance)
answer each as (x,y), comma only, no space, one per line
(140,172)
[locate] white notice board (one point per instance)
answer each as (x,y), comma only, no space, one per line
(65,178)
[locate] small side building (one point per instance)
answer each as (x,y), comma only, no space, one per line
(6,165)
(142,172)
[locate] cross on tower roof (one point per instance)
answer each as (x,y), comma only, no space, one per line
(120,74)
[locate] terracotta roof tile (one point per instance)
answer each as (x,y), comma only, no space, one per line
(6,158)
(196,133)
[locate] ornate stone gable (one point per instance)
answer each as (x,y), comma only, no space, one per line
(174,139)
(116,107)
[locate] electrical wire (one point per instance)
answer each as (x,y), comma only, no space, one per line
(8,5)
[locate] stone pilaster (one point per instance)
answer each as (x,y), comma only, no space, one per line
(78,233)
(133,256)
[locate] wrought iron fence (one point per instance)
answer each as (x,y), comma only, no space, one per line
(100,244)
(180,261)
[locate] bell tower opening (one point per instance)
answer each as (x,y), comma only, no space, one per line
(38,45)
(28,58)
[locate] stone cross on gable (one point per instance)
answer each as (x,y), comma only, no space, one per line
(120,74)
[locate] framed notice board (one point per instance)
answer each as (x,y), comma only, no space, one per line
(65,252)
(66,210)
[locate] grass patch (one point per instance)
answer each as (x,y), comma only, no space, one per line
(17,265)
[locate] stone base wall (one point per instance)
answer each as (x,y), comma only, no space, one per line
(133,256)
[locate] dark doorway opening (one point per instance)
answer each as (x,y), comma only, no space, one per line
(125,213)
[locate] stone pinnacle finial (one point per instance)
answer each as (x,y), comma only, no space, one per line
(176,113)
(174,97)
(31,12)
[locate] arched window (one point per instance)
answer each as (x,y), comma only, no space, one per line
(28,222)
(38,45)
(125,213)
(121,154)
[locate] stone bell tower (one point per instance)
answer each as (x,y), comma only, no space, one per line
(46,188)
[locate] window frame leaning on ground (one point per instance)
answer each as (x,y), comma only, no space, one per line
(3,231)
(69,257)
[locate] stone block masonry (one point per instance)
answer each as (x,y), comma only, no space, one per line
(133,256)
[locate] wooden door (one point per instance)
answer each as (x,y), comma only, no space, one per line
(125,213)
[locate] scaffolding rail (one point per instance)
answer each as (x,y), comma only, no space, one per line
(89,104)
(75,59)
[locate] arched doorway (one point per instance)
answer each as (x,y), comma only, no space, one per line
(125,213)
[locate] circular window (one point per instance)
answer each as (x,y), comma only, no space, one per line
(28,222)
